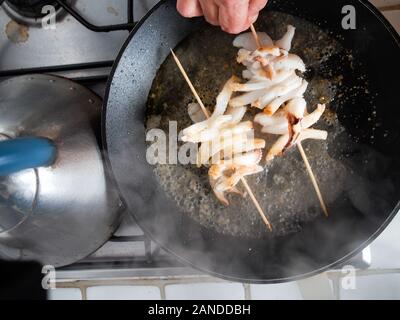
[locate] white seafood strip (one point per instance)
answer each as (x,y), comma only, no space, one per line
(243,55)
(291,61)
(285,42)
(212,148)
(242,159)
(195,128)
(266,120)
(281,143)
(203,136)
(246,159)
(246,40)
(228,183)
(296,107)
(280,125)
(247,98)
(251,86)
(277,130)
(247,146)
(313,117)
(237,114)
(296,93)
(273,125)
(215,122)
(277,147)
(280,89)
(202,131)
(268,50)
(224,97)
(265,83)
(246,74)
(313,134)
(237,129)
(195,112)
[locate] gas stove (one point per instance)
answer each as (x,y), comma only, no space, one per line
(82,46)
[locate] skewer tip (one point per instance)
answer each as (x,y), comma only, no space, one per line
(313,179)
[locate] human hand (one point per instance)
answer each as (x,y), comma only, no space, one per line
(234,16)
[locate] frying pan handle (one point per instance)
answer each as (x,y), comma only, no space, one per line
(25,153)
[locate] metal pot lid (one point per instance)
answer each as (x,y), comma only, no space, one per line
(61,213)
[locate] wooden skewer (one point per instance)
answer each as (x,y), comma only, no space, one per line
(203,108)
(301,150)
(312,177)
(243,180)
(256,204)
(255,35)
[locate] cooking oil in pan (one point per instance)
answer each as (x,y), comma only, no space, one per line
(284,189)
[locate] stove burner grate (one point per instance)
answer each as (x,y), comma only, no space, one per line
(31,8)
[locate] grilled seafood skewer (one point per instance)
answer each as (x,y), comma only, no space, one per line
(221,184)
(273,92)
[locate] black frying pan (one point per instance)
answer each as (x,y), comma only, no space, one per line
(364,103)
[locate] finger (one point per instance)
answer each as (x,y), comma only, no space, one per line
(233,15)
(252,18)
(210,11)
(189,8)
(255,6)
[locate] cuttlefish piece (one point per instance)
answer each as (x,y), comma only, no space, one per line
(280,89)
(240,159)
(313,117)
(247,98)
(261,98)
(253,85)
(281,144)
(249,145)
(247,41)
(224,97)
(278,124)
(243,55)
(224,183)
(205,130)
(297,107)
(237,114)
(266,69)
(220,195)
(208,129)
(271,108)
(195,112)
(213,149)
(237,129)
(291,61)
(285,42)
(225,175)
(268,50)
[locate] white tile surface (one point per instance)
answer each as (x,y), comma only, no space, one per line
(385,250)
(65,294)
(316,288)
(123,293)
(282,291)
(374,287)
(205,291)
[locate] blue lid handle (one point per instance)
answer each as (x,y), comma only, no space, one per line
(25,153)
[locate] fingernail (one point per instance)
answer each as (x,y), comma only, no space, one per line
(253,18)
